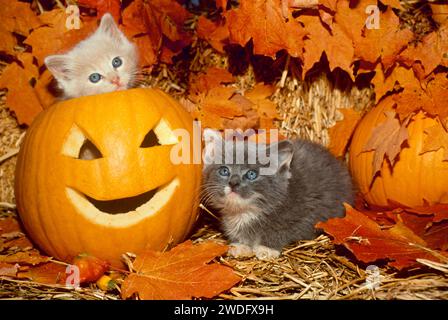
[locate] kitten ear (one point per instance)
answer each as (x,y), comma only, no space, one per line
(211,135)
(285,152)
(212,145)
(109,27)
(59,66)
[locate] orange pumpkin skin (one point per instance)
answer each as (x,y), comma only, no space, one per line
(414,180)
(51,184)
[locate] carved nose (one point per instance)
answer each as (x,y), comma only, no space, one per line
(234,181)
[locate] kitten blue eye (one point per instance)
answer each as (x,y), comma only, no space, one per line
(251,174)
(117,62)
(95,77)
(224,171)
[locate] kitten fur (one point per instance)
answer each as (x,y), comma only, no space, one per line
(264,215)
(95,55)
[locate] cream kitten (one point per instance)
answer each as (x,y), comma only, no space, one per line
(105,61)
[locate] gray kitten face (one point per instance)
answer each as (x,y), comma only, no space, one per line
(234,187)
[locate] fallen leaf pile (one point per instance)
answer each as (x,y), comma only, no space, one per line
(398,237)
(184,272)
(19,259)
(219,106)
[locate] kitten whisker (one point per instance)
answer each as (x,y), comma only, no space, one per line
(207,196)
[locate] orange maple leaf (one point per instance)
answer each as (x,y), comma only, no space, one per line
(386,140)
(437,236)
(103,6)
(249,119)
(154,24)
(372,45)
(266,109)
(434,232)
(29,257)
(221,107)
(384,43)
(12,236)
(21,97)
(368,242)
(46,273)
(263,22)
(213,77)
(392,3)
(17,17)
(218,101)
(341,133)
(42,89)
(436,139)
(337,46)
(398,77)
(181,273)
(9,225)
(329,4)
(352,19)
(7,42)
(437,89)
(62,39)
(439,211)
(432,99)
(9,270)
(431,52)
(215,33)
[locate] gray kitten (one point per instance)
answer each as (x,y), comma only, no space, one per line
(261,213)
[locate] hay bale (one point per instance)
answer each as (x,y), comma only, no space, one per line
(10,136)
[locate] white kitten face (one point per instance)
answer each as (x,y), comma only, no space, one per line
(104,62)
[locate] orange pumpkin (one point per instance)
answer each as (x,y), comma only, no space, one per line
(124,196)
(415,179)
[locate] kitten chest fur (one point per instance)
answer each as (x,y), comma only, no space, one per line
(241,226)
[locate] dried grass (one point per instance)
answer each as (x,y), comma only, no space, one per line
(308,109)
(316,270)
(10,136)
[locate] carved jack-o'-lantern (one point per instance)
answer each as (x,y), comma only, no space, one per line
(125,194)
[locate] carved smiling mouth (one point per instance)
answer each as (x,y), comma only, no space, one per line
(121,206)
(126,211)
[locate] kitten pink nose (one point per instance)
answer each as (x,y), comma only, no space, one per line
(115,80)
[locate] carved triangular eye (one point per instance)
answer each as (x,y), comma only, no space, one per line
(150,140)
(78,146)
(89,151)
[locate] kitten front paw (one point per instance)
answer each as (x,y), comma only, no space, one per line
(240,250)
(266,253)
